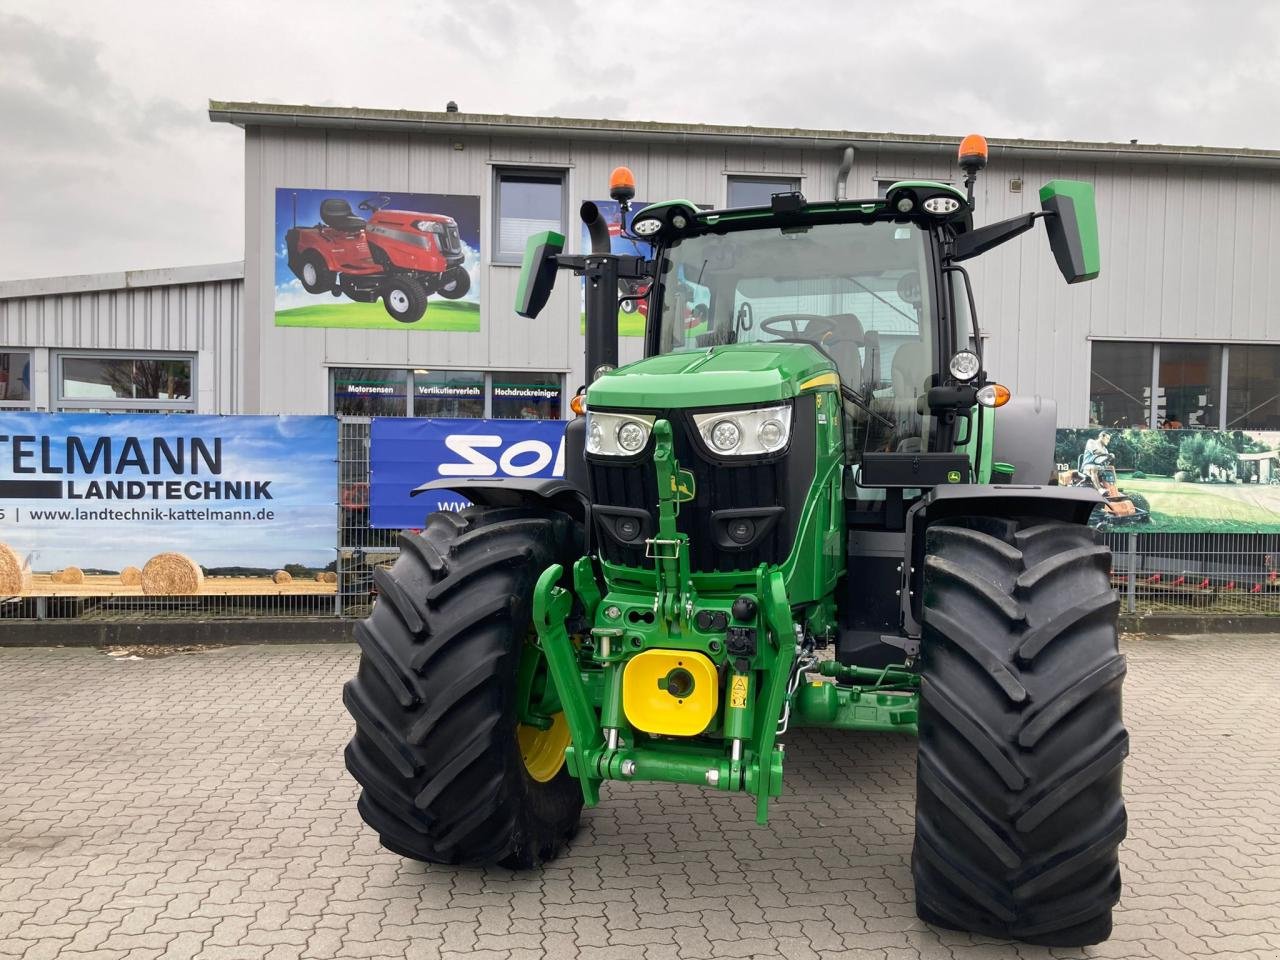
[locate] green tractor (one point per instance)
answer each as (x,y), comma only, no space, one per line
(806,507)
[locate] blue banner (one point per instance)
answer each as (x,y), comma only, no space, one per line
(88,500)
(404,454)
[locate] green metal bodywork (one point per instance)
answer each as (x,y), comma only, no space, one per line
(589,633)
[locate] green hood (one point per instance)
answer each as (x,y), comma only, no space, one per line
(717,376)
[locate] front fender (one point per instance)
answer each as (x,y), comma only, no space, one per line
(1067,504)
(1070,504)
(554,493)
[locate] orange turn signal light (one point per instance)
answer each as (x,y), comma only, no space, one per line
(578,403)
(994,395)
(973,151)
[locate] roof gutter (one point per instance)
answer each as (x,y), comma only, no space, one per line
(613,131)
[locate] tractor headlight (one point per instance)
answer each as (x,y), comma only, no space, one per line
(428,226)
(745,433)
(617,434)
(965,365)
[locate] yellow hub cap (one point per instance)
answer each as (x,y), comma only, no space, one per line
(543,750)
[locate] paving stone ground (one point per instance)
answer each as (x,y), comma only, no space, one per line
(196,806)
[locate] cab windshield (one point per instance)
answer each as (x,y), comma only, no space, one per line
(856,291)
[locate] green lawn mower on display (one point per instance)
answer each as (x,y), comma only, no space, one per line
(806,507)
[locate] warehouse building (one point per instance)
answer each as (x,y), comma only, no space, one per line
(1183,325)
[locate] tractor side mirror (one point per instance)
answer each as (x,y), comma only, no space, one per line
(538,272)
(1072,224)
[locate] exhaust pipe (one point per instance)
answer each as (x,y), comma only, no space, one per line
(596,227)
(842,175)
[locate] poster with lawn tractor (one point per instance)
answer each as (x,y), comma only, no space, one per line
(1176,481)
(377,260)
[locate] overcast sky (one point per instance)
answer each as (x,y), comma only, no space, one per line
(108,160)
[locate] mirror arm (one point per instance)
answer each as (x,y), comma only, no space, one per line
(978,241)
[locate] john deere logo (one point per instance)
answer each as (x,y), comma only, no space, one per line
(953,476)
(682,486)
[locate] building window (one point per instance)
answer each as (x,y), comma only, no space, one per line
(15,378)
(527,202)
(448,393)
(370,392)
(526,396)
(758,191)
(140,383)
(381,392)
(1120,384)
(1189,386)
(883,184)
(1181,386)
(1253,387)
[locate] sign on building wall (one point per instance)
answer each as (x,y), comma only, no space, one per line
(1177,481)
(404,454)
(369,259)
(96,504)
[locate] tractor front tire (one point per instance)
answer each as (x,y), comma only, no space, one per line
(404,298)
(314,274)
(1019,812)
(436,748)
(454,284)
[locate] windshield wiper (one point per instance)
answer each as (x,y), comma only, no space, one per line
(858,400)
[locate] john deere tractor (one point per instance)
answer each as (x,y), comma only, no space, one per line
(807,506)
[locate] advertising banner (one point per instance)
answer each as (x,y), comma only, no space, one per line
(1176,481)
(98,504)
(404,454)
(370,259)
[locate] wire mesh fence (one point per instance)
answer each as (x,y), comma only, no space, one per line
(1206,573)
(1203,573)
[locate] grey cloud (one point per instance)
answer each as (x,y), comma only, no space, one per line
(105,128)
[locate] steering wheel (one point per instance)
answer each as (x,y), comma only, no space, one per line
(823,331)
(366,204)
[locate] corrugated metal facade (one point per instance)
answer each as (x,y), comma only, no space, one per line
(1186,251)
(142,313)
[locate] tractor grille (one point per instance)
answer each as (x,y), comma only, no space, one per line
(783,481)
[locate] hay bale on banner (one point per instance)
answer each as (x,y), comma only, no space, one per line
(171,574)
(15,576)
(320,578)
(72,575)
(131,576)
(282,576)
(330,577)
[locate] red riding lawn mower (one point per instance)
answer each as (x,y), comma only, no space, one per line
(402,256)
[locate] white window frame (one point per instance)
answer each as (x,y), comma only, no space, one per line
(121,404)
(30,402)
(796,179)
(496,257)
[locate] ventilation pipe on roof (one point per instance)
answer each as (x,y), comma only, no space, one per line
(842,175)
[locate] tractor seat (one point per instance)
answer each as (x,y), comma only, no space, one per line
(337,214)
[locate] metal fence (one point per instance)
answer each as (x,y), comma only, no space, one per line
(1211,573)
(1206,573)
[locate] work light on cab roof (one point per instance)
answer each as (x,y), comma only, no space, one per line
(809,457)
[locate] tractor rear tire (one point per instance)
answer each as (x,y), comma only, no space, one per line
(435,748)
(314,275)
(1019,812)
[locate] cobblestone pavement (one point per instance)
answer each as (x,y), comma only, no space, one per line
(196,806)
